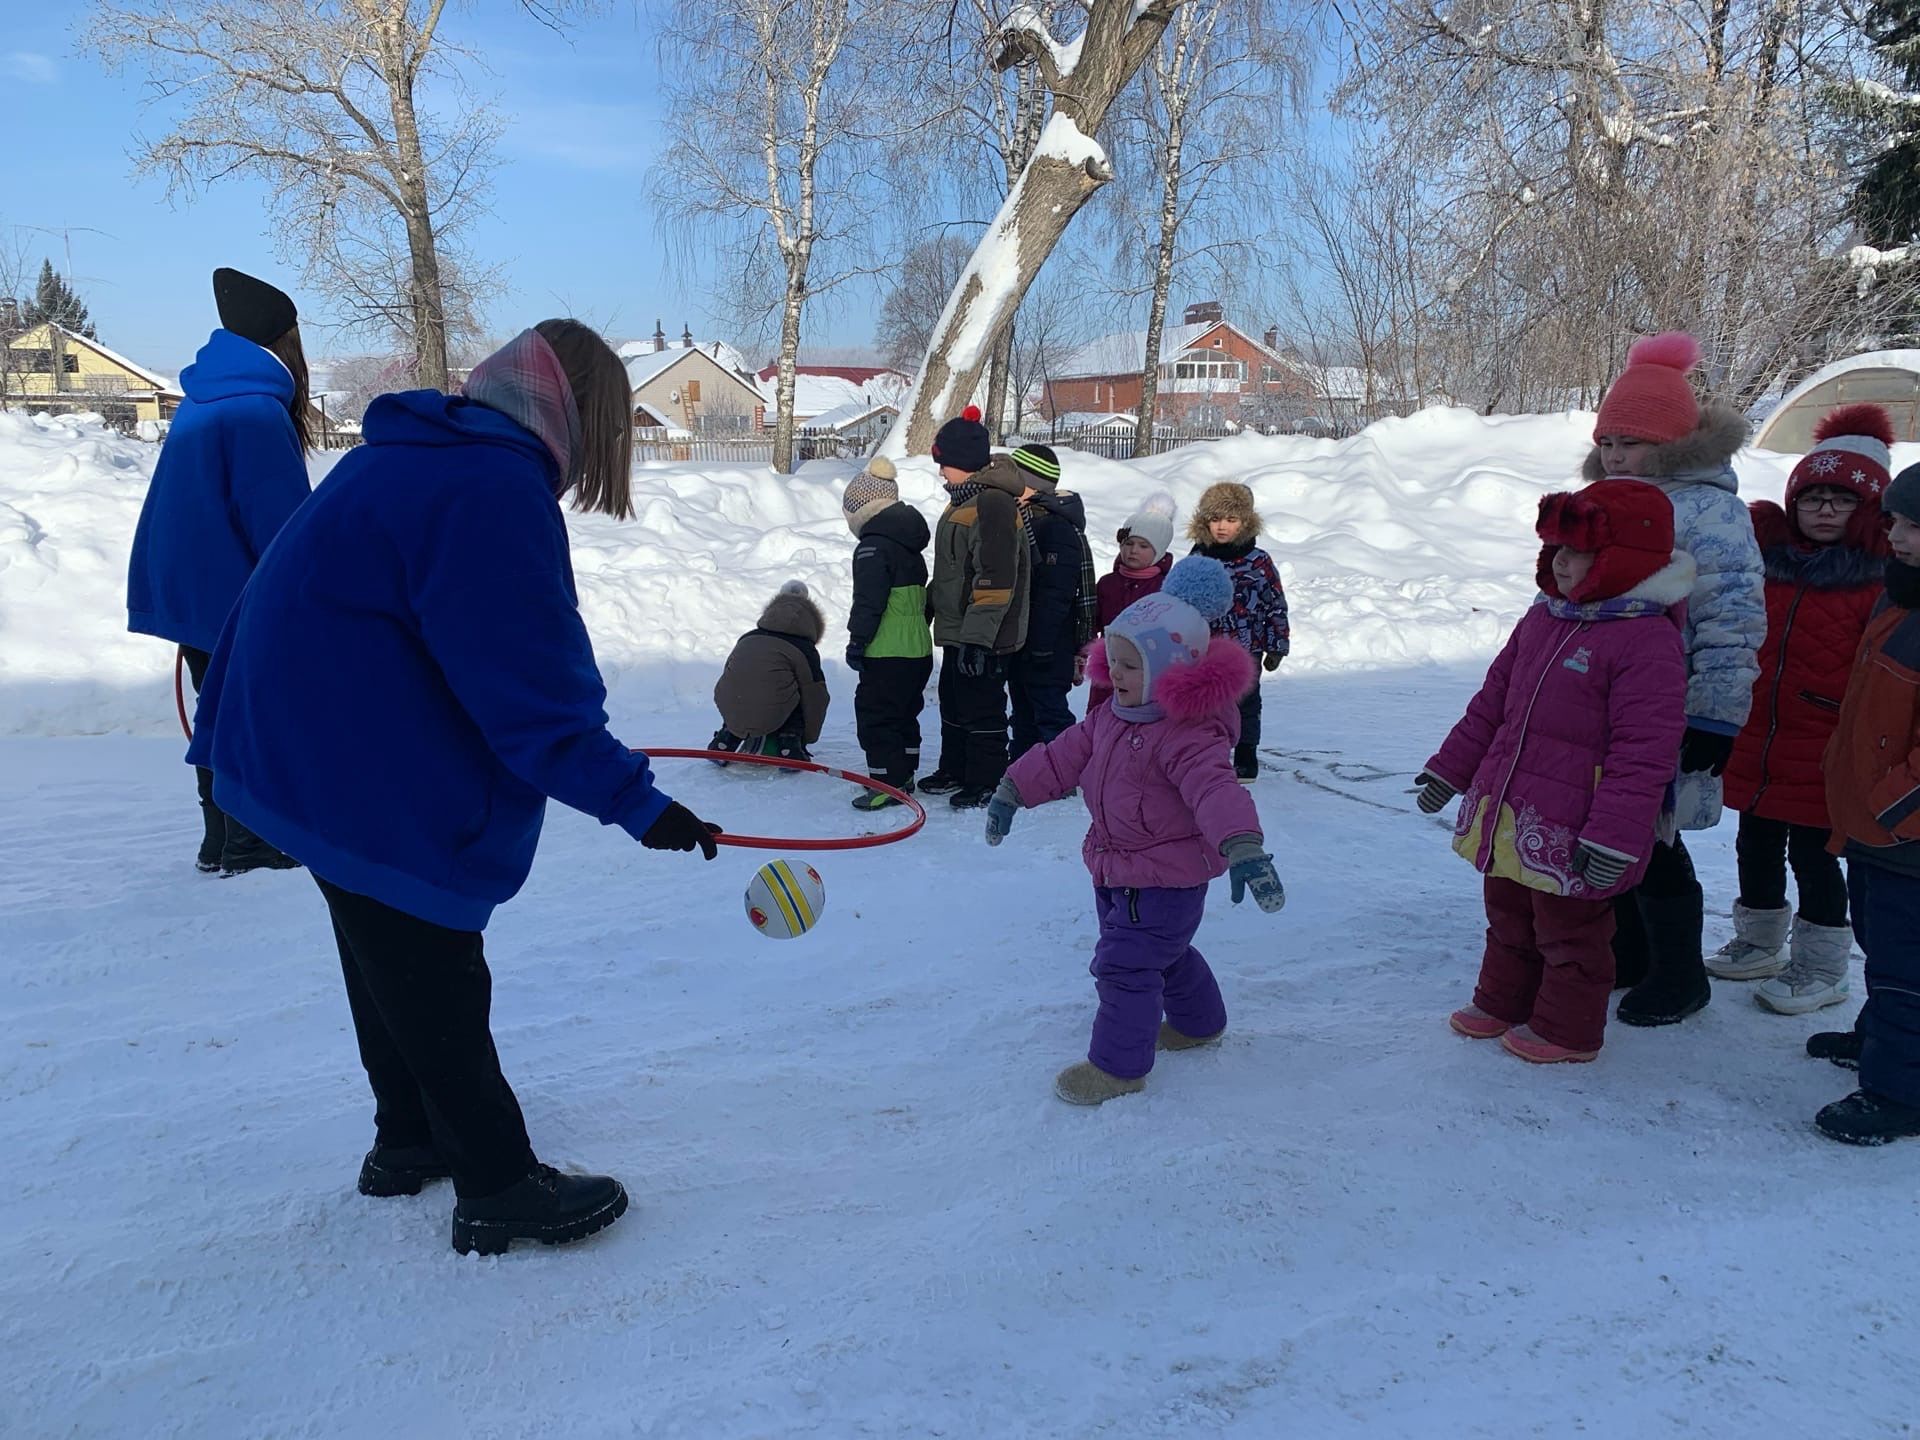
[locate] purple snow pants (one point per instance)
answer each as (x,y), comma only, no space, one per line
(1145,963)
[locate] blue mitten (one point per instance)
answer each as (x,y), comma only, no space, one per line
(1000,810)
(1251,868)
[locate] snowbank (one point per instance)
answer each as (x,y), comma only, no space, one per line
(1407,544)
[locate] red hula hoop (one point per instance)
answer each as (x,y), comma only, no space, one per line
(765,842)
(180,692)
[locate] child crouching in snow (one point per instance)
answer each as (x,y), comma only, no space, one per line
(1168,817)
(772,696)
(1565,757)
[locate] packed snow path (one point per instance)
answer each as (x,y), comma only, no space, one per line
(857,1208)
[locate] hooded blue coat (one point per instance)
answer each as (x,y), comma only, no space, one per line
(228,477)
(407,678)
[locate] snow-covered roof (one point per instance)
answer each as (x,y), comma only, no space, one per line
(816,394)
(1126,352)
(156,380)
(851,414)
(1096,419)
(1885,377)
(647,364)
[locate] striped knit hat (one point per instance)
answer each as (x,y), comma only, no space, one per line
(1040,463)
(870,492)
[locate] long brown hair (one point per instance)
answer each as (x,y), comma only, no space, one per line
(291,355)
(600,393)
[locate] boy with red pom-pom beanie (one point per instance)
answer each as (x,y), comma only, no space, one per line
(982,574)
(1825,554)
(1652,428)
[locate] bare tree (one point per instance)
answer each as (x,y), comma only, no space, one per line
(322,99)
(912,307)
(769,127)
(15,286)
(1082,79)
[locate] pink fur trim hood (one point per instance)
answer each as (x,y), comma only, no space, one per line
(1216,681)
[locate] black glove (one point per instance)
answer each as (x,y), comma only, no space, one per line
(856,654)
(678,828)
(977,662)
(1270,662)
(1434,793)
(1704,750)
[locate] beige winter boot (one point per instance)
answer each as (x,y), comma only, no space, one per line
(1817,977)
(1087,1084)
(1758,948)
(1172,1039)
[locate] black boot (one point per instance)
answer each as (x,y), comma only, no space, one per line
(244,851)
(1629,941)
(1246,764)
(941,782)
(880,799)
(400,1169)
(972,797)
(1676,985)
(1841,1047)
(1867,1119)
(214,819)
(546,1206)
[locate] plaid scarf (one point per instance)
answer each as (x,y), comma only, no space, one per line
(1086,604)
(524,381)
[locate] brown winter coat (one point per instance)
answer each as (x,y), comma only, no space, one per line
(775,668)
(982,565)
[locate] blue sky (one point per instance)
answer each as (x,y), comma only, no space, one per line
(572,226)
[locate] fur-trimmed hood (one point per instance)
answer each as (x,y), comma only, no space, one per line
(1212,684)
(1839,566)
(1225,497)
(1702,458)
(789,614)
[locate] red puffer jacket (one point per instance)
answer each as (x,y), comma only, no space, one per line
(1818,603)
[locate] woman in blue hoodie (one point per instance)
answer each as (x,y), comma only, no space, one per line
(233,469)
(404,683)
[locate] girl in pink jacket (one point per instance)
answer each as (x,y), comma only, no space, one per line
(1565,757)
(1168,817)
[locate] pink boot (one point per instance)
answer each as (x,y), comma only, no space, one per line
(1531,1048)
(1474,1023)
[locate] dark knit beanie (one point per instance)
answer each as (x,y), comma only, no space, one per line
(1039,462)
(252,309)
(1903,495)
(963,442)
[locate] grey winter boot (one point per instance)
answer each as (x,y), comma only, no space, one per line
(1172,1039)
(1087,1084)
(1758,948)
(1816,977)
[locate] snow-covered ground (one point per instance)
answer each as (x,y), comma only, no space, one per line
(857,1208)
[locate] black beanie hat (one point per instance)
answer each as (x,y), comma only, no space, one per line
(1903,495)
(1041,463)
(964,443)
(252,309)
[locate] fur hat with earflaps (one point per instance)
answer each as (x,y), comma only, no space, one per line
(1653,400)
(1153,523)
(1627,525)
(1217,502)
(792,612)
(874,489)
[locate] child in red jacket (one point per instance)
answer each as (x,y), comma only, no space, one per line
(1825,555)
(1138,571)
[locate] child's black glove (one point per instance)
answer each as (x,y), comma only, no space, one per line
(856,654)
(1434,793)
(1704,750)
(678,828)
(1270,661)
(977,662)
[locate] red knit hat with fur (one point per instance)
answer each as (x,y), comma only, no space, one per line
(1852,450)
(1652,399)
(1628,525)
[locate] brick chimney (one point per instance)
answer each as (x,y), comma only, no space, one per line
(659,338)
(686,336)
(1272,338)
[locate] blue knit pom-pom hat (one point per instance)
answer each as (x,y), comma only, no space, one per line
(1170,627)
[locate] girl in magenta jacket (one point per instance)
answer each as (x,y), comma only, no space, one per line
(1168,818)
(1565,757)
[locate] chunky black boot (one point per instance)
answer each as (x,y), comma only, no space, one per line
(1841,1047)
(941,782)
(246,851)
(972,797)
(546,1206)
(215,821)
(1676,985)
(1867,1119)
(1629,941)
(400,1169)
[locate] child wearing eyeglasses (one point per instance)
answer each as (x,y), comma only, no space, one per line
(1825,555)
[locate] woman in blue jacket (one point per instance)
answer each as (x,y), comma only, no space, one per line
(404,683)
(233,469)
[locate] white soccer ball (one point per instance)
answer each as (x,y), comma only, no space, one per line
(785,898)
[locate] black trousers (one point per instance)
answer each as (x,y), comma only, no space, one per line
(886,714)
(973,722)
(421,997)
(1250,716)
(1766,847)
(197,662)
(1038,686)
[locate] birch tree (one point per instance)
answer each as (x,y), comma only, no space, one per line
(322,100)
(1082,79)
(769,128)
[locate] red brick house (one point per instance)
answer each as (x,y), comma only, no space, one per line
(1211,373)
